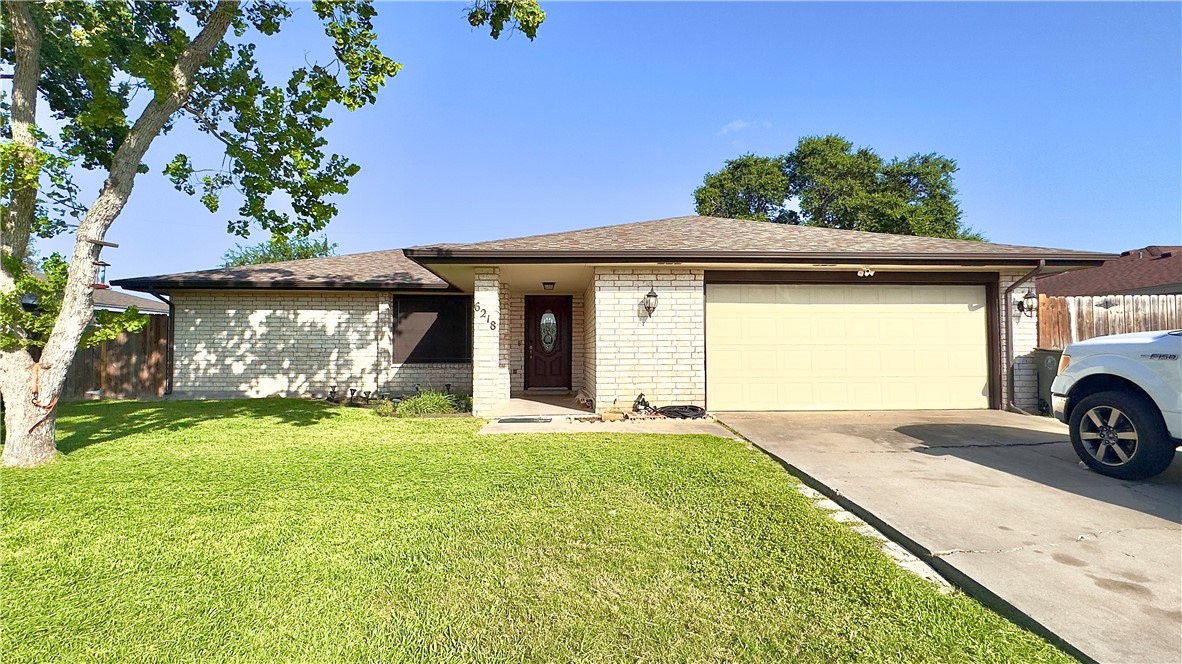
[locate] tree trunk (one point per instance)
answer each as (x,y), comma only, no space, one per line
(29,441)
(29,446)
(14,228)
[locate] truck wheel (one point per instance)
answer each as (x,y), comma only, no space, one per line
(1121,435)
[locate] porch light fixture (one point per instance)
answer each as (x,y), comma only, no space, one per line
(548,285)
(1028,304)
(650,301)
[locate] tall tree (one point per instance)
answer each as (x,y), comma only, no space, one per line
(279,249)
(749,187)
(826,182)
(116,76)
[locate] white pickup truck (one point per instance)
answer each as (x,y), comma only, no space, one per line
(1122,397)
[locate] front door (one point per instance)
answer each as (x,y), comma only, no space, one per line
(547,341)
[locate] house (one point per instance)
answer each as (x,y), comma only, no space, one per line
(1153,270)
(722,313)
(112,300)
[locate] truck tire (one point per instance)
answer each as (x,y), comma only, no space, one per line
(1121,434)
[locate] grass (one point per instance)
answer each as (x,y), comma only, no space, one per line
(273,530)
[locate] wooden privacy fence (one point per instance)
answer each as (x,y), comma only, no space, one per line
(128,367)
(1062,320)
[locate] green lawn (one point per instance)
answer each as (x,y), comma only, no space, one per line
(279,530)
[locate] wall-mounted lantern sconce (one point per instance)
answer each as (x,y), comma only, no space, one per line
(1028,304)
(650,302)
(548,285)
(865,272)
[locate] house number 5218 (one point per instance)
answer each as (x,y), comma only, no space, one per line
(481,312)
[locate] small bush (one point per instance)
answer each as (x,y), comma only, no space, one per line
(385,408)
(463,402)
(427,403)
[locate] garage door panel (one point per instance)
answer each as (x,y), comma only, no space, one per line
(829,347)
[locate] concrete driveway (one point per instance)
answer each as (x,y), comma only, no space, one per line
(1000,500)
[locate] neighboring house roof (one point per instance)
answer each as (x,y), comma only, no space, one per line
(112,300)
(709,239)
(1155,268)
(376,270)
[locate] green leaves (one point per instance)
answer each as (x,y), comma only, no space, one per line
(279,249)
(524,15)
(29,311)
(835,186)
(350,25)
(43,168)
(749,187)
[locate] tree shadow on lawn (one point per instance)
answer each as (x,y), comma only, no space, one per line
(84,424)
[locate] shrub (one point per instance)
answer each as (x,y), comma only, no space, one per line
(463,402)
(426,403)
(385,408)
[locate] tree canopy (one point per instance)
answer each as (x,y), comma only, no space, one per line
(826,182)
(115,77)
(279,249)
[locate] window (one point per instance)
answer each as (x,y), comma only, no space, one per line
(432,328)
(549,325)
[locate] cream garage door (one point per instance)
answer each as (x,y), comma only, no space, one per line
(838,347)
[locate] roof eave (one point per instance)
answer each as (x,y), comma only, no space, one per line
(426,256)
(142,310)
(147,286)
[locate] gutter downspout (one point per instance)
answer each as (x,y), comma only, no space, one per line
(1008,305)
(168,354)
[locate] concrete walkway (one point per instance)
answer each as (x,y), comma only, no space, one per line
(572,425)
(999,503)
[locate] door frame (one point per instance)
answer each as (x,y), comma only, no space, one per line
(528,337)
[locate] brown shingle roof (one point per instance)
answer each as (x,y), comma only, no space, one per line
(376,270)
(706,239)
(1137,269)
(117,301)
(734,239)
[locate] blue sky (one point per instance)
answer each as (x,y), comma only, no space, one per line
(1065,119)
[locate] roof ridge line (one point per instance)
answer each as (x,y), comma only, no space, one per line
(574,230)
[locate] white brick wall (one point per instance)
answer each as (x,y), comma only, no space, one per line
(662,356)
(516,322)
(1025,331)
(491,346)
(589,341)
(293,343)
(578,325)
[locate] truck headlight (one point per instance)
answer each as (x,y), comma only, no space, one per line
(1064,362)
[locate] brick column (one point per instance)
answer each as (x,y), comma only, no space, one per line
(490,346)
(385,355)
(1025,333)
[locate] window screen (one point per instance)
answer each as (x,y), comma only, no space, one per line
(432,329)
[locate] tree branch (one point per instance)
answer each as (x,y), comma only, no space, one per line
(212,128)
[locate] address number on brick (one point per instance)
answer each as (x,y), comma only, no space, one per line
(481,312)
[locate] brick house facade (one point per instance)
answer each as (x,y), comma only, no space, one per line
(385,322)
